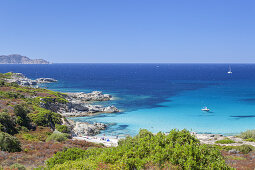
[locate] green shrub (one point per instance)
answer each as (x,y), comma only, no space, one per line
(2,83)
(45,117)
(29,137)
(245,148)
(63,128)
(225,141)
(9,143)
(57,136)
(248,134)
(14,84)
(21,113)
(250,140)
(178,148)
(18,166)
(7,124)
(48,100)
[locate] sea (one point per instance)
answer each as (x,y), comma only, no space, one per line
(160,97)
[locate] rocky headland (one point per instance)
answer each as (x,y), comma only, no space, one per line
(19,59)
(77,106)
(71,104)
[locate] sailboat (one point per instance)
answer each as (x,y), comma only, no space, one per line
(229,71)
(205,109)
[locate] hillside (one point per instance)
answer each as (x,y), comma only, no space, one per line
(19,59)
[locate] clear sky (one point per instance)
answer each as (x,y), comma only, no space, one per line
(129,30)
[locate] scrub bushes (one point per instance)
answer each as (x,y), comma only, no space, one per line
(178,148)
(9,143)
(45,117)
(248,134)
(18,167)
(57,136)
(21,116)
(7,124)
(245,148)
(225,141)
(63,128)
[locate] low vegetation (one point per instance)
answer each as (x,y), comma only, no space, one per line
(58,137)
(18,166)
(249,134)
(250,140)
(21,113)
(63,128)
(9,143)
(245,149)
(225,141)
(178,149)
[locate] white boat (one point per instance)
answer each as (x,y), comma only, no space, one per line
(229,71)
(205,109)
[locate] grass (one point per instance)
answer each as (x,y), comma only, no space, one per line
(245,149)
(250,140)
(239,158)
(248,134)
(225,141)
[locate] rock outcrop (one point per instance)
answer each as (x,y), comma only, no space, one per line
(212,138)
(22,80)
(93,96)
(84,128)
(45,80)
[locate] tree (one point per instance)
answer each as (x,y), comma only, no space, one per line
(21,115)
(9,143)
(7,124)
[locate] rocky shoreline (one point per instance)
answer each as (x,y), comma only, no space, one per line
(212,138)
(22,80)
(76,105)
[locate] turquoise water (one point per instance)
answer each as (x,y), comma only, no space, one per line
(160,97)
(231,112)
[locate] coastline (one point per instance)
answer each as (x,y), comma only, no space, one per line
(82,106)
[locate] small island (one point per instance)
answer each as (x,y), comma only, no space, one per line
(19,59)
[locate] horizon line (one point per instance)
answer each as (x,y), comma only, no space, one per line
(154,63)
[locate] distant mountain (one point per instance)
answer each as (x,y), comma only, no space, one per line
(19,59)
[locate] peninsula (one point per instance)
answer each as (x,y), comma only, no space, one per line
(19,59)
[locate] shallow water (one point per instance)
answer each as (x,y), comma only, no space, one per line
(160,97)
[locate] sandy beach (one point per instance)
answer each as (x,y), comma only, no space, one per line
(105,140)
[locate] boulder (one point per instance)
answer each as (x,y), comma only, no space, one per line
(111,109)
(84,128)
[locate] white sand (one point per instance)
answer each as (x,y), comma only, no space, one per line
(96,139)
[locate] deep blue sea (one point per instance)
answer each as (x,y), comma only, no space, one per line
(160,97)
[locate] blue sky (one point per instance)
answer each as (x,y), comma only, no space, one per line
(129,30)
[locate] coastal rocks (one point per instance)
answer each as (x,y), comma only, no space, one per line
(111,109)
(233,151)
(93,96)
(84,128)
(45,80)
(100,126)
(212,138)
(75,108)
(22,80)
(80,107)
